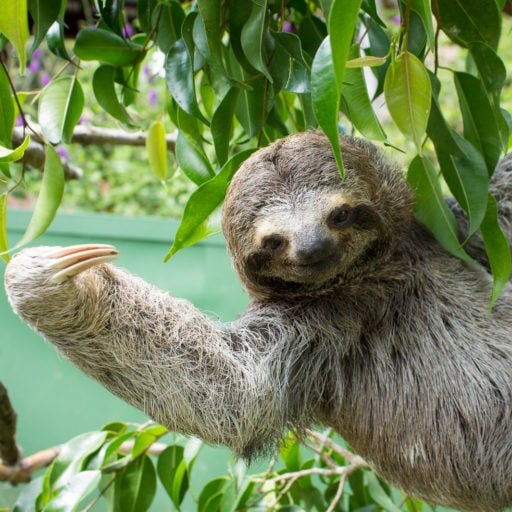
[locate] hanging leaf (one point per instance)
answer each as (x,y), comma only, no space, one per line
(173,473)
(103,84)
(211,14)
(222,123)
(203,202)
(13,155)
(135,487)
(253,37)
(48,201)
(192,159)
(325,95)
(14,26)
(4,244)
(6,110)
(422,8)
(44,13)
(491,69)
(379,494)
(156,146)
(497,248)
(469,21)
(105,46)
(431,208)
(169,21)
(356,102)
(60,106)
(180,79)
(55,38)
(408,94)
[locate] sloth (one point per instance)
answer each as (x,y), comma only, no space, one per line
(359,320)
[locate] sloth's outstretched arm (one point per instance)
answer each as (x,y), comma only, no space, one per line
(221,382)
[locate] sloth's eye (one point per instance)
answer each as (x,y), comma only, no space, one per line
(340,217)
(273,243)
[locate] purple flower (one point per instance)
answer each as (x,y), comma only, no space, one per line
(146,70)
(128,30)
(288,26)
(37,54)
(34,66)
(19,120)
(63,153)
(396,20)
(153,97)
(44,79)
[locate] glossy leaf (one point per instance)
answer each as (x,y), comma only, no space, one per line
(325,94)
(78,488)
(49,199)
(222,123)
(431,208)
(60,106)
(105,46)
(408,93)
(289,68)
(203,202)
(111,14)
(212,495)
(55,39)
(469,21)
(14,26)
(378,494)
(135,487)
(4,244)
(105,93)
(211,14)
(6,110)
(497,248)
(13,155)
(356,103)
(169,24)
(180,79)
(368,61)
(44,13)
(253,37)
(422,8)
(480,126)
(192,159)
(173,473)
(491,69)
(156,146)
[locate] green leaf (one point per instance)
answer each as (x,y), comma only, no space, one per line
(422,8)
(14,26)
(469,21)
(312,31)
(480,124)
(105,46)
(156,146)
(212,495)
(203,202)
(173,473)
(48,201)
(497,248)
(356,103)
(55,38)
(408,94)
(253,37)
(192,159)
(4,244)
(378,493)
(6,109)
(431,208)
(135,487)
(27,498)
(79,487)
(60,106)
(491,69)
(103,86)
(222,123)
(169,24)
(13,155)
(211,14)
(325,94)
(70,459)
(180,79)
(44,13)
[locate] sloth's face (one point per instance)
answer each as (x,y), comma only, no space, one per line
(311,238)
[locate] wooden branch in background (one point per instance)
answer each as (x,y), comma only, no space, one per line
(85,135)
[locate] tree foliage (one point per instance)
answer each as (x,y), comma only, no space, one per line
(241,74)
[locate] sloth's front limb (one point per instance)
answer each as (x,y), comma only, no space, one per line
(158,353)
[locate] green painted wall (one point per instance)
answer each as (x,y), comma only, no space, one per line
(54,400)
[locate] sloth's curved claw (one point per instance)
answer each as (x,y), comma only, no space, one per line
(77,258)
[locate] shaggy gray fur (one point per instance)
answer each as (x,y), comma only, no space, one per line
(359,321)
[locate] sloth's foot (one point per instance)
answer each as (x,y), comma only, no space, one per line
(77,258)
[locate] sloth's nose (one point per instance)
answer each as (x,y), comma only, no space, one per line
(314,249)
